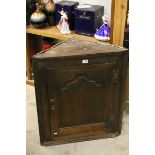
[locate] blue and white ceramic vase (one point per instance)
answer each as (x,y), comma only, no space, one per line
(103,33)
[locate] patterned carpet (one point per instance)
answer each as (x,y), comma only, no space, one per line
(111,146)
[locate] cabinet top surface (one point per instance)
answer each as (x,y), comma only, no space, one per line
(78,47)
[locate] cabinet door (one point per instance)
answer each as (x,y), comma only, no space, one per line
(83,100)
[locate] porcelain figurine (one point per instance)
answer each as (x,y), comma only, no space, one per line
(63,25)
(104,32)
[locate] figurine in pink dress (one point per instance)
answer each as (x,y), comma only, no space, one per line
(63,25)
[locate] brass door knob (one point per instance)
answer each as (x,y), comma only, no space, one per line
(52,107)
(52,101)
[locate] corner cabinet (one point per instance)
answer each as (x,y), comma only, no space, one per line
(79,93)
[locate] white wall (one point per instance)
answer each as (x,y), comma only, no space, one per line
(105,3)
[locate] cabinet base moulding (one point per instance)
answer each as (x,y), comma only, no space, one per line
(52,143)
(30,82)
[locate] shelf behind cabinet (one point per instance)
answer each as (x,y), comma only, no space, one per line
(53,32)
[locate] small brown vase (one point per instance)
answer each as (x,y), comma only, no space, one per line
(38,18)
(50,6)
(42,6)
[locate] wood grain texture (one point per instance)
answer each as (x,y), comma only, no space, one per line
(30,82)
(88,138)
(51,32)
(28,66)
(78,47)
(118,21)
(87,97)
(33,46)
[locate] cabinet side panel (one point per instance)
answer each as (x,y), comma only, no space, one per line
(41,101)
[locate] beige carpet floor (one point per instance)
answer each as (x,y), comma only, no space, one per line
(111,146)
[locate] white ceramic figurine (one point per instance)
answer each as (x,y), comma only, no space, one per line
(63,25)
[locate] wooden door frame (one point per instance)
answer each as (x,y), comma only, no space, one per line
(119,10)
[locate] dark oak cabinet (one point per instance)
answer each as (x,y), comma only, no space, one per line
(79,91)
